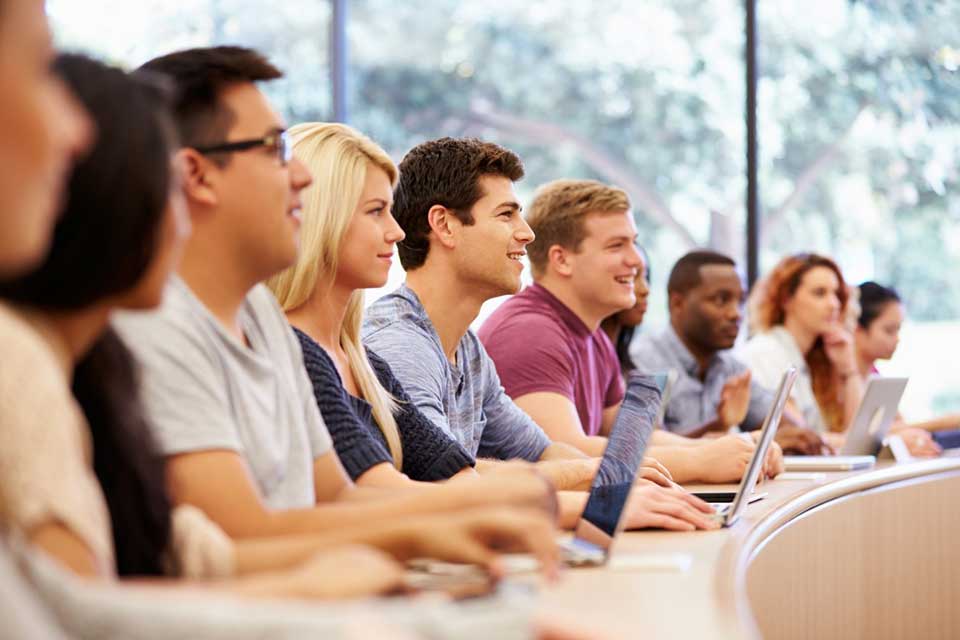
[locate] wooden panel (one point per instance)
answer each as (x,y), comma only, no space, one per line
(880,563)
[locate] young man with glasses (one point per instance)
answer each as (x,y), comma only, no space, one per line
(223,380)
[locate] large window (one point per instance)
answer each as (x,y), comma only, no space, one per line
(859,117)
(645,95)
(860,134)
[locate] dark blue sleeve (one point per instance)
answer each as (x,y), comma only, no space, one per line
(359,446)
(429,454)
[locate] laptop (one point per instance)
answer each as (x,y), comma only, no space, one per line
(602,518)
(665,380)
(729,504)
(876,413)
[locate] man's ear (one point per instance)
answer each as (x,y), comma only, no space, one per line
(444,225)
(198,177)
(560,260)
(676,302)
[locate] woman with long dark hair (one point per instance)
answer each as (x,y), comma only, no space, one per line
(876,338)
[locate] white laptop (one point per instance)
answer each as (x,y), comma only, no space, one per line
(865,437)
(729,505)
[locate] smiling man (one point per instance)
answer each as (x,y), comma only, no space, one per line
(464,241)
(553,358)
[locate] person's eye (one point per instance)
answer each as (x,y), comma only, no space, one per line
(377,211)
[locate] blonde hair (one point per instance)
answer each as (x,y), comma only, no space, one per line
(337,156)
(557,213)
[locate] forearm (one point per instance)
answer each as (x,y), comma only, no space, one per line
(712,426)
(681,462)
(663,438)
(943,423)
(570,475)
(852,395)
(572,504)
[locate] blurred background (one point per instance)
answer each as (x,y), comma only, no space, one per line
(858,118)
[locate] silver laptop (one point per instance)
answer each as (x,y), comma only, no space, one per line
(876,413)
(728,511)
(665,380)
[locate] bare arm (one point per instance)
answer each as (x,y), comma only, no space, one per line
(64,546)
(558,417)
(205,478)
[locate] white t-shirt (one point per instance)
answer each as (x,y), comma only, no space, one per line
(204,390)
(768,355)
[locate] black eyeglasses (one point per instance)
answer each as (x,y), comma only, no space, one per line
(278,141)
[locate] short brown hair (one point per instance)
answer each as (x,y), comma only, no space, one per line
(200,76)
(444,172)
(558,210)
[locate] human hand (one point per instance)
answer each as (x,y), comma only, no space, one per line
(801,441)
(652,506)
(920,443)
(839,347)
(734,400)
(351,571)
(478,536)
(724,459)
(773,463)
(515,484)
(652,471)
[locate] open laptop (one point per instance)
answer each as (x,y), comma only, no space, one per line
(876,413)
(729,505)
(665,380)
(602,518)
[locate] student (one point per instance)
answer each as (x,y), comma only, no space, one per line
(224,386)
(553,358)
(55,317)
(42,127)
(347,242)
(796,319)
(713,391)
(621,327)
(876,338)
(464,238)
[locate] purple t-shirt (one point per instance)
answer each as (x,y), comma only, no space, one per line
(539,344)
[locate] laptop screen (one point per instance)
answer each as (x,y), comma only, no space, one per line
(621,459)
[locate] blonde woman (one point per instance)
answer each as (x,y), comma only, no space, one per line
(347,240)
(346,245)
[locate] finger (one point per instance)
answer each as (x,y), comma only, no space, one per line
(664,521)
(656,477)
(693,501)
(682,511)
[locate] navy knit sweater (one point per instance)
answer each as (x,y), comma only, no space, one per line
(428,453)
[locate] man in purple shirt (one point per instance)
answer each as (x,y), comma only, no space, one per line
(553,358)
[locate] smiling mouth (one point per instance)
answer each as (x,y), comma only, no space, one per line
(628,280)
(516,255)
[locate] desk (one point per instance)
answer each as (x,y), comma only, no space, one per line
(866,554)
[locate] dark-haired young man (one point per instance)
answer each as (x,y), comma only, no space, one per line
(223,378)
(464,240)
(714,391)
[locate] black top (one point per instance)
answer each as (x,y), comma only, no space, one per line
(428,453)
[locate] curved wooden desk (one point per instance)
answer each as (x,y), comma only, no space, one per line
(871,554)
